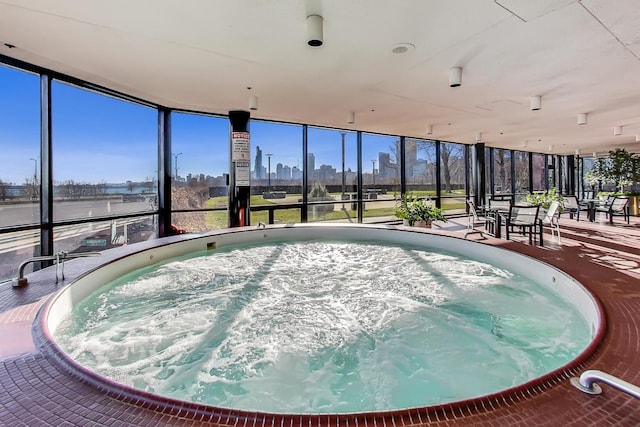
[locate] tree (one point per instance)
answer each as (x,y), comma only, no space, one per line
(4,190)
(32,188)
(620,168)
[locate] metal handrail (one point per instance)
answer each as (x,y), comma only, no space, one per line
(59,257)
(587,383)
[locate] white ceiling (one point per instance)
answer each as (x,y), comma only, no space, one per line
(580,56)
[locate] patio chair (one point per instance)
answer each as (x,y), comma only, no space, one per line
(524,218)
(550,219)
(571,205)
(606,207)
(475,218)
(619,207)
(500,204)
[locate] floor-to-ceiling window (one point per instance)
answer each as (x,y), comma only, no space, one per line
(501,172)
(538,174)
(19,167)
(452,177)
(380,176)
(420,167)
(199,162)
(104,163)
(276,172)
(521,163)
(326,174)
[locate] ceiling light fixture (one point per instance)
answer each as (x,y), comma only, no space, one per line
(577,151)
(582,118)
(637,137)
(352,118)
(524,144)
(617,130)
(253,102)
(550,147)
(535,103)
(429,129)
(455,77)
(594,154)
(479,137)
(314,31)
(402,48)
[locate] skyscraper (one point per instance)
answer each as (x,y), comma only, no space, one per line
(258,170)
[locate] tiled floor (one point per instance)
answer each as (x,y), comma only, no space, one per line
(35,390)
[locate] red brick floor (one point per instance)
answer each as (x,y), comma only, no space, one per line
(35,390)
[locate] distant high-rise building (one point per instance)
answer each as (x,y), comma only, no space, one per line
(286,172)
(411,156)
(387,169)
(296,173)
(258,169)
(311,165)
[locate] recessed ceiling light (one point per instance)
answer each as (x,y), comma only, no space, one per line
(402,48)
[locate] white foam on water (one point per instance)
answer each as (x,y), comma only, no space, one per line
(323,327)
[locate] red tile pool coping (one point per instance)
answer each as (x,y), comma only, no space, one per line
(39,387)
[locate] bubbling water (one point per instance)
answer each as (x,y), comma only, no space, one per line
(323,327)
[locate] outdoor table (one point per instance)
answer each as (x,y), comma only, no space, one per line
(591,208)
(496,213)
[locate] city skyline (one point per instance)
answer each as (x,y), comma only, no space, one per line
(99,139)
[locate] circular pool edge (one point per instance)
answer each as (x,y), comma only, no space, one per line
(121,260)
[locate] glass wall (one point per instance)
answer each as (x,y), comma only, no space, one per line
(105,154)
(552,172)
(101,235)
(502,172)
(538,172)
(15,247)
(521,162)
(105,169)
(199,162)
(452,177)
(19,167)
(328,180)
(420,168)
(20,147)
(380,176)
(276,171)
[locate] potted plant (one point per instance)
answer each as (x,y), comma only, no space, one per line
(543,199)
(622,169)
(415,211)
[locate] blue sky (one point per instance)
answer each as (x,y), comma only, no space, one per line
(97,138)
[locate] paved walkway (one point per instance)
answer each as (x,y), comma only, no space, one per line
(35,390)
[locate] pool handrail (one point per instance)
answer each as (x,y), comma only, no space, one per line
(587,383)
(59,257)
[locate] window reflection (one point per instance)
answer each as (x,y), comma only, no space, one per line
(100,235)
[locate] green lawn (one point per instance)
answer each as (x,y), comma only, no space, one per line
(218,219)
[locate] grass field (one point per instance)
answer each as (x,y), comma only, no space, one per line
(383,208)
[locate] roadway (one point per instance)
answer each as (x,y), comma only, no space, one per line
(19,245)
